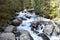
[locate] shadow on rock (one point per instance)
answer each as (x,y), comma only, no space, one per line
(43,36)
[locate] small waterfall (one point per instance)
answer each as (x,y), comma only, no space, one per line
(26,25)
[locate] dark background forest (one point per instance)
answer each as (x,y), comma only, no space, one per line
(48,8)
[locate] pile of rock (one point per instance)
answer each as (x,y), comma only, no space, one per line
(48,28)
(9,34)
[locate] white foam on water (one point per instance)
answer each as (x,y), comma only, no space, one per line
(26,26)
(55,38)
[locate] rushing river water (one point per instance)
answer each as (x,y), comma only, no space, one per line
(26,25)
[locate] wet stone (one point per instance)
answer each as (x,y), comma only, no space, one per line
(25,35)
(43,36)
(16,22)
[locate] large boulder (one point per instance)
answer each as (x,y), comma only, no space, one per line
(25,35)
(57,25)
(7,36)
(40,20)
(40,25)
(16,22)
(9,28)
(35,24)
(57,30)
(48,29)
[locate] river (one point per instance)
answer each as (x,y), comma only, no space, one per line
(26,25)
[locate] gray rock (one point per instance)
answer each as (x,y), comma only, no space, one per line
(39,21)
(57,27)
(58,23)
(17,22)
(9,28)
(25,35)
(1,38)
(44,36)
(35,24)
(48,29)
(7,36)
(57,30)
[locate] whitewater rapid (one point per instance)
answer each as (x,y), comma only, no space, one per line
(26,25)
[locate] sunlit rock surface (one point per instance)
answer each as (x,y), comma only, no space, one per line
(48,29)
(7,36)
